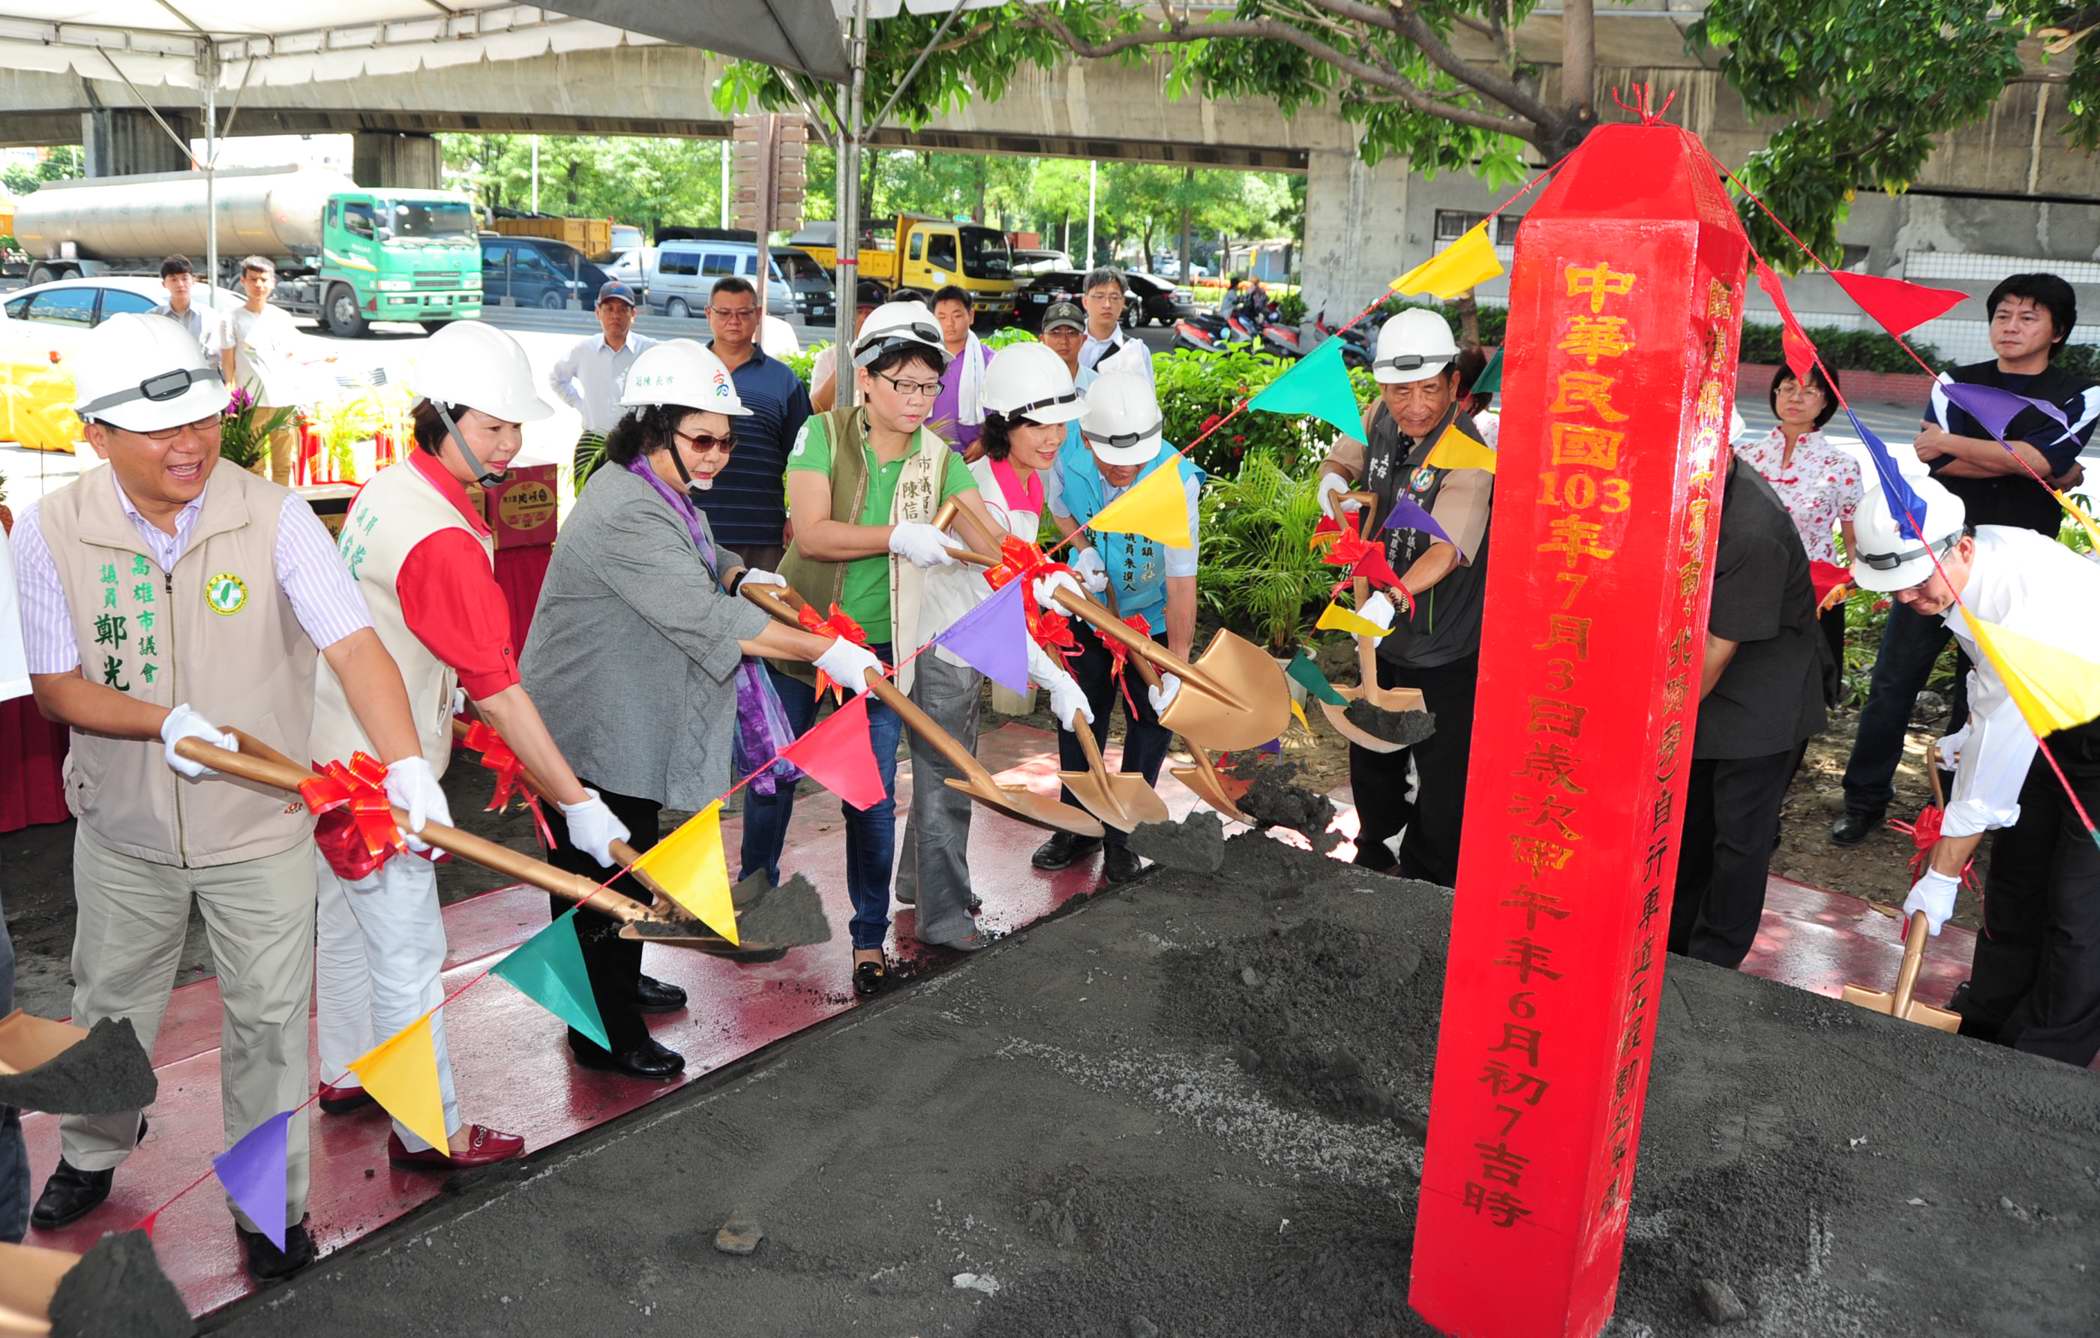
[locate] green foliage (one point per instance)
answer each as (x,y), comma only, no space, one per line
(802,361)
(1259,576)
(62,163)
(648,182)
(1008,335)
(2072,535)
(1197,389)
(1869,350)
(244,429)
(1290,308)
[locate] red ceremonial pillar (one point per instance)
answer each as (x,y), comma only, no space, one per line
(1625,308)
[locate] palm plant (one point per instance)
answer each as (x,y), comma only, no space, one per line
(1259,575)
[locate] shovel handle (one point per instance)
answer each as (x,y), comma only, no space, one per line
(1088,744)
(1932,772)
(265,766)
(623,854)
(1914,936)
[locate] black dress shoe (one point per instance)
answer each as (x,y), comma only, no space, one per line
(647,1060)
(1119,864)
(69,1195)
(1853,828)
(266,1262)
(654,996)
(1062,848)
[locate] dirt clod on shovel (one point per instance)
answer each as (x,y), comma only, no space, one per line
(118,1288)
(1196,844)
(1273,801)
(106,1073)
(1402,727)
(770,920)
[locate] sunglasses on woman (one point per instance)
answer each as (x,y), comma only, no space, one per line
(705,441)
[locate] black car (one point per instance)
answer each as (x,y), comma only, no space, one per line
(815,300)
(1033,298)
(1158,300)
(536,272)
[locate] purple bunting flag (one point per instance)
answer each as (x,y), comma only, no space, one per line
(1408,514)
(993,638)
(1904,503)
(253,1172)
(1995,409)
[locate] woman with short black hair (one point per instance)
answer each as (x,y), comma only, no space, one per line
(1817,483)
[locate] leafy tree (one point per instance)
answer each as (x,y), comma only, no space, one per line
(61,163)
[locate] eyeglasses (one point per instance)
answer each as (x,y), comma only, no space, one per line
(203,427)
(911,389)
(733,313)
(706,441)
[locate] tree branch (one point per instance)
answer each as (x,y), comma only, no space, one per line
(1416,29)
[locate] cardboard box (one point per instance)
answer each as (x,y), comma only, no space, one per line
(522,509)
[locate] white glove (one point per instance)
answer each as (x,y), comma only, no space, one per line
(760,576)
(1934,895)
(1949,748)
(593,828)
(183,723)
(1378,609)
(848,664)
(1093,572)
(459,701)
(921,545)
(1046,588)
(412,785)
(1065,696)
(1330,487)
(1163,696)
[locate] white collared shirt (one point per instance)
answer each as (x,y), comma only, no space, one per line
(1094,350)
(590,377)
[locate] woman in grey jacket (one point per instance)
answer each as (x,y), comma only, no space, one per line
(640,658)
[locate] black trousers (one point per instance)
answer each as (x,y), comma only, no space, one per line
(1145,740)
(1910,643)
(1731,818)
(1435,818)
(2036,980)
(614,963)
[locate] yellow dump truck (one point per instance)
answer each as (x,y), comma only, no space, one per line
(924,254)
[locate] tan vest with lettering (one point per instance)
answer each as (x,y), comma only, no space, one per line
(393,513)
(216,632)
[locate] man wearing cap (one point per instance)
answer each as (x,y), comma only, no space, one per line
(592,373)
(162,596)
(2036,981)
(1064,330)
(264,364)
(1123,434)
(745,506)
(1434,646)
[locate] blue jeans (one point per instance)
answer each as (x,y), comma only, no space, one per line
(871,833)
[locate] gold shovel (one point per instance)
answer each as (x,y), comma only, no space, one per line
(1119,798)
(1901,1004)
(29,1278)
(1013,800)
(1385,699)
(1202,779)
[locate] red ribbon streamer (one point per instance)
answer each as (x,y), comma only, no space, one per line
(1022,561)
(497,756)
(354,825)
(1346,547)
(1119,657)
(1924,834)
(838,625)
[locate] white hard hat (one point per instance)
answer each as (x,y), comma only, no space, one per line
(1122,423)
(1029,381)
(900,323)
(1413,346)
(143,373)
(477,365)
(1884,559)
(685,373)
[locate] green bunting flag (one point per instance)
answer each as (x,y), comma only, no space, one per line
(1318,385)
(1307,675)
(548,969)
(1490,379)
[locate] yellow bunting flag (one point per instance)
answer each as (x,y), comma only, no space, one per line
(1158,508)
(2085,522)
(401,1074)
(1299,711)
(2053,688)
(1335,618)
(1456,450)
(1466,263)
(688,864)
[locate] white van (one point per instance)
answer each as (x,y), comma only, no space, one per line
(682,275)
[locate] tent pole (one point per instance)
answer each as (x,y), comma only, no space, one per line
(848,193)
(208,71)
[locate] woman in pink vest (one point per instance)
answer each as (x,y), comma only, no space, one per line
(423,557)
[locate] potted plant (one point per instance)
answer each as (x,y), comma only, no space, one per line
(244,432)
(1259,575)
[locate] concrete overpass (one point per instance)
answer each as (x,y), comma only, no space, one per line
(2007,186)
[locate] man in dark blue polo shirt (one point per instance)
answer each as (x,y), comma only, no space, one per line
(747,507)
(2031,319)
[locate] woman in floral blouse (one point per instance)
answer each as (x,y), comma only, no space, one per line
(1818,483)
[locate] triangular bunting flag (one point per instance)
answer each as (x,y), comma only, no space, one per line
(2053,688)
(253,1172)
(1299,711)
(401,1074)
(1456,450)
(548,969)
(1335,618)
(838,755)
(1306,674)
(2077,513)
(1897,306)
(1995,409)
(688,865)
(1156,507)
(1904,503)
(1408,514)
(1489,382)
(1373,567)
(1466,263)
(1317,385)
(1800,353)
(993,637)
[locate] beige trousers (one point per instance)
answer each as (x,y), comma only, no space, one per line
(127,941)
(284,452)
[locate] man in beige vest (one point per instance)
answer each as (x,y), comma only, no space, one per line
(161,595)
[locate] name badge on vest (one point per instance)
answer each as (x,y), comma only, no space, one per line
(225,594)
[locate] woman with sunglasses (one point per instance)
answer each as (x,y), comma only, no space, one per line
(643,654)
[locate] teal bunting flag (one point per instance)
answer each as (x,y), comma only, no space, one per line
(548,969)
(1318,386)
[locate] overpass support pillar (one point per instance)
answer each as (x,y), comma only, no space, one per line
(1355,230)
(123,142)
(382,158)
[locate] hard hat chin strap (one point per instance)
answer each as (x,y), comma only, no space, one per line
(693,487)
(483,475)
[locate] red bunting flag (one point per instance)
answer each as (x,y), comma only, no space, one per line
(837,755)
(1800,351)
(1899,307)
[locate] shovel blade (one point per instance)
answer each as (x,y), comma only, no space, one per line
(1122,802)
(1029,807)
(27,1042)
(1338,716)
(1883,1002)
(1239,701)
(29,1277)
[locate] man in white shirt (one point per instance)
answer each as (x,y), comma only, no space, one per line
(206,326)
(2036,982)
(591,375)
(264,363)
(1104,301)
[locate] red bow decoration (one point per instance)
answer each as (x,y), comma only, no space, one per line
(354,824)
(1119,656)
(1022,561)
(497,756)
(838,624)
(1345,547)
(1924,834)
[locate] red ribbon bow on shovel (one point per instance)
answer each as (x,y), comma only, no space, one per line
(1924,834)
(1022,561)
(1119,657)
(354,820)
(838,624)
(1345,547)
(497,756)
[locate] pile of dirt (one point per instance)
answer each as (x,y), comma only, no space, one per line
(1402,727)
(106,1072)
(1196,844)
(790,914)
(118,1288)
(1275,799)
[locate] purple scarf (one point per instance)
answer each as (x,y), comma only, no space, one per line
(762,728)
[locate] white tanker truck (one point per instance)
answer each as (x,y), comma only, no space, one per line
(345,255)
